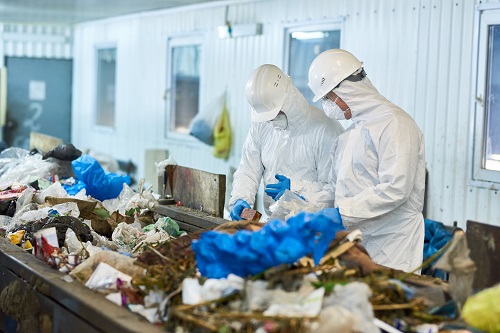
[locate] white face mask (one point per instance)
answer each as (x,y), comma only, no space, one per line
(332,110)
(280,122)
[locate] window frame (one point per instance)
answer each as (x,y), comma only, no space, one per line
(97,48)
(172,42)
(332,24)
(486,15)
(323,25)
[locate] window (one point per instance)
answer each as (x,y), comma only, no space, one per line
(486,136)
(183,86)
(106,83)
(303,44)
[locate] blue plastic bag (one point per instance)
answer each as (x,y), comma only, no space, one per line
(100,184)
(248,253)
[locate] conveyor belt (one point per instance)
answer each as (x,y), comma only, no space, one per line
(189,219)
(34,298)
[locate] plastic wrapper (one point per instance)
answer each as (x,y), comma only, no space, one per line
(127,236)
(160,166)
(305,306)
(10,158)
(354,297)
(54,190)
(104,278)
(166,224)
(117,260)
(30,168)
(153,237)
(6,222)
(288,205)
(77,247)
(194,293)
(66,209)
(25,199)
(101,241)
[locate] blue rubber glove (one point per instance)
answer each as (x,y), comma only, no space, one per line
(238,207)
(333,214)
(275,191)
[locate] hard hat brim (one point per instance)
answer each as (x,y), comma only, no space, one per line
(257,117)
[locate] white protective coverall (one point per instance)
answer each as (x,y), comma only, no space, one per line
(300,152)
(379,177)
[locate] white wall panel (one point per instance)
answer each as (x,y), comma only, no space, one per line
(417,52)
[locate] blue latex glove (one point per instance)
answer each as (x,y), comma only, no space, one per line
(333,214)
(275,191)
(238,207)
(245,253)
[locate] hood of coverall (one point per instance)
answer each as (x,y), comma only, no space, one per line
(296,109)
(361,97)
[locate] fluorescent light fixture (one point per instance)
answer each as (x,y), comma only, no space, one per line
(308,35)
(239,30)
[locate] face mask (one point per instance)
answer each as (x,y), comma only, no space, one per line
(280,122)
(332,110)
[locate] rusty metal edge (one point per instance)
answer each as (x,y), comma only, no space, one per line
(190,218)
(88,305)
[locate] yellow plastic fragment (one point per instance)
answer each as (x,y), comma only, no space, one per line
(27,245)
(16,237)
(482,310)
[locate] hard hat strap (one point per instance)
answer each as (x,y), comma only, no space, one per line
(357,77)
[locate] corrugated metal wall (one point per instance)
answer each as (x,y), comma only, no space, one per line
(417,52)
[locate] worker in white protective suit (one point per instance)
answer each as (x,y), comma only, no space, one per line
(378,163)
(288,145)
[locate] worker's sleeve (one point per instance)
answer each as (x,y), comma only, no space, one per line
(398,153)
(320,193)
(246,179)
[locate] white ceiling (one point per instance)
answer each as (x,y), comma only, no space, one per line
(77,11)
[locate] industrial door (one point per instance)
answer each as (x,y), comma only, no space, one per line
(38,99)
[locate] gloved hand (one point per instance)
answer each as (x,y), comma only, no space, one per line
(238,207)
(333,214)
(275,191)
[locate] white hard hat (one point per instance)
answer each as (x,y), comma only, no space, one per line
(329,69)
(266,91)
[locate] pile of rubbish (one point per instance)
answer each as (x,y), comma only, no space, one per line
(302,274)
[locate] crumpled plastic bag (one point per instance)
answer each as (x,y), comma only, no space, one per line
(117,260)
(290,204)
(101,184)
(353,297)
(127,236)
(55,190)
(166,224)
(482,310)
(203,124)
(131,203)
(27,168)
(222,135)
(65,152)
(248,253)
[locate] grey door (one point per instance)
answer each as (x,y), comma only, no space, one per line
(38,99)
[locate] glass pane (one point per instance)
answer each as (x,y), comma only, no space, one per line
(492,144)
(106,77)
(304,47)
(185,86)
